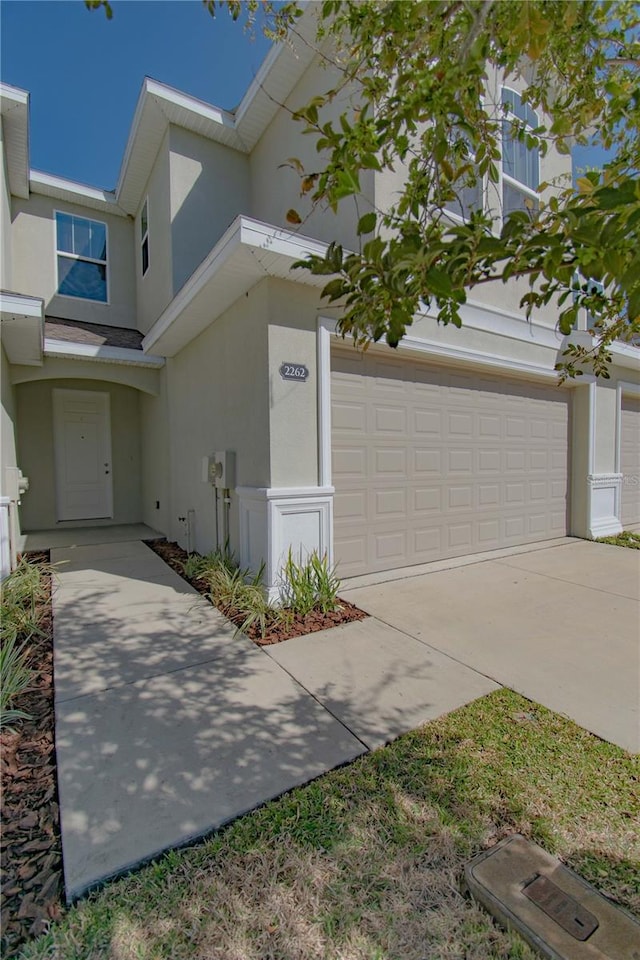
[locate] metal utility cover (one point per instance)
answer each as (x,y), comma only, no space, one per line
(562,908)
(553,908)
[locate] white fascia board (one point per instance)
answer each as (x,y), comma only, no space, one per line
(508,366)
(257,84)
(14,105)
(265,236)
(89,351)
(57,187)
(243,234)
(13,95)
(17,305)
(626,355)
(200,108)
(492,319)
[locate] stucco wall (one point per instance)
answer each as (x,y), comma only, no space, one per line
(5,219)
(209,188)
(7,423)
(293,410)
(276,188)
(155,461)
(35,267)
(36,449)
(219,400)
(154,290)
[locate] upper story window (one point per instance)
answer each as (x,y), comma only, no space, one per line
(468,194)
(144,236)
(520,163)
(81,248)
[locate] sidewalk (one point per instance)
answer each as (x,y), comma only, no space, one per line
(168,725)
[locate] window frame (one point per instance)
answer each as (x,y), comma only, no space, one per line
(84,259)
(144,239)
(513,182)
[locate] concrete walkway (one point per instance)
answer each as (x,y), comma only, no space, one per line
(560,625)
(168,725)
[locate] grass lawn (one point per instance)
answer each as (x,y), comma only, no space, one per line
(624,539)
(367,861)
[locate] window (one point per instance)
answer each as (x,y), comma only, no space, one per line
(469,195)
(520,163)
(144,236)
(81,249)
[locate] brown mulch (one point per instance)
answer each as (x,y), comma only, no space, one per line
(295,626)
(30,848)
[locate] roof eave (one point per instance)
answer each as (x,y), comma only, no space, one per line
(15,124)
(248,252)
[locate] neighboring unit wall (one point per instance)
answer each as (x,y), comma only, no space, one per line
(596,466)
(35,266)
(209,188)
(36,449)
(219,400)
(154,291)
(5,220)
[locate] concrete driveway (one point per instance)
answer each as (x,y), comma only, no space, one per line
(561,625)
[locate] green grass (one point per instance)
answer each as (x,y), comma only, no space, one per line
(624,539)
(367,861)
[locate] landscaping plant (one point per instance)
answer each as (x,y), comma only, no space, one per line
(310,585)
(22,592)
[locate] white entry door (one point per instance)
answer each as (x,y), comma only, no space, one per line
(82,437)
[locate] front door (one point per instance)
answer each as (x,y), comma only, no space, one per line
(82,437)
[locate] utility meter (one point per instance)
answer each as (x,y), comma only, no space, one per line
(219,469)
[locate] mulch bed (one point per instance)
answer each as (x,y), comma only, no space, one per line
(30,848)
(297,626)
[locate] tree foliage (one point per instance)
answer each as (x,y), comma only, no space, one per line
(423,79)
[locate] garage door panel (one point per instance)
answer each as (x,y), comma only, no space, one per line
(453,464)
(349,417)
(390,419)
(426,500)
(350,505)
(427,423)
(389,503)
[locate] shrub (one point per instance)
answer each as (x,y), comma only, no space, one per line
(15,677)
(22,593)
(312,585)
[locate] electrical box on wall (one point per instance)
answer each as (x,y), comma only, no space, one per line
(219,469)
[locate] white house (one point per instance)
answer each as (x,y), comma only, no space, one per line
(148,330)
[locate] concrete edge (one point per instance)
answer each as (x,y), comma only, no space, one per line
(74,895)
(453,563)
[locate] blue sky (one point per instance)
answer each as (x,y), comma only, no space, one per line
(84,73)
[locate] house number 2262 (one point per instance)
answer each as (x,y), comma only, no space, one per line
(294,371)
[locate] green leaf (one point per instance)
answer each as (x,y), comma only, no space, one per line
(367,223)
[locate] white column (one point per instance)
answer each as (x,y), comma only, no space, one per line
(5,537)
(278,519)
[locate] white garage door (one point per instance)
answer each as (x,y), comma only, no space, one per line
(430,463)
(630,463)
